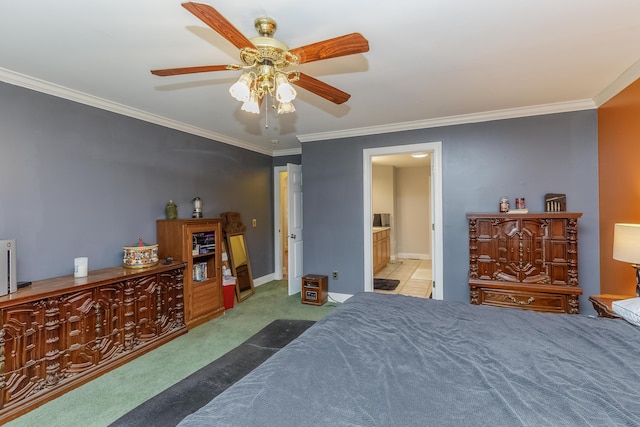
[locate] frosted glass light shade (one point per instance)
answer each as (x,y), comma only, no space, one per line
(626,243)
(284,91)
(286,107)
(251,105)
(241,90)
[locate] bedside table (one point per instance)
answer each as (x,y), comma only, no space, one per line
(602,304)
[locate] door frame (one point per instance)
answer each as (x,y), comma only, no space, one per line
(277,232)
(435,149)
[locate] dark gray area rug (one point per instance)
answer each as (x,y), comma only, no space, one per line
(385,284)
(172,405)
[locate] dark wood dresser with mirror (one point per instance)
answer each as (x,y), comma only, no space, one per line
(527,261)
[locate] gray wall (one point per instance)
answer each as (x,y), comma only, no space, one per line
(80,181)
(518,157)
(283,160)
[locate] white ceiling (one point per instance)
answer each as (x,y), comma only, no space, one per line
(431,62)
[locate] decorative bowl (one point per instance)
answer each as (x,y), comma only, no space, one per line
(140,255)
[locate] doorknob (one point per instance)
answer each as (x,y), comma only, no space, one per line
(293,236)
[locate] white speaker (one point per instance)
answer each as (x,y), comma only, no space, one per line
(8,282)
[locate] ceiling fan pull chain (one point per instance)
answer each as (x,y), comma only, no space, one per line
(266,111)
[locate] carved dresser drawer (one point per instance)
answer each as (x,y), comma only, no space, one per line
(528,300)
(527,261)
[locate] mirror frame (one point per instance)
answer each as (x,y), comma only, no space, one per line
(232,226)
(241,294)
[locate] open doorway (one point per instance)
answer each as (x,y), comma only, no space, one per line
(413,218)
(401,206)
(281,249)
(288,241)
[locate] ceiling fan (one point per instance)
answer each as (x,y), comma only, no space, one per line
(267,60)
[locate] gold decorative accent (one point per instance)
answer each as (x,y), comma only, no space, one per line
(515,301)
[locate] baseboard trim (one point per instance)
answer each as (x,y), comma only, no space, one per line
(264,279)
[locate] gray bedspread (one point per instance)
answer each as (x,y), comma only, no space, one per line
(391,360)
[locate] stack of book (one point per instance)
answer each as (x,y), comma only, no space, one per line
(199,272)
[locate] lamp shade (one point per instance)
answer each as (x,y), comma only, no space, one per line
(241,90)
(252,105)
(286,107)
(284,91)
(626,243)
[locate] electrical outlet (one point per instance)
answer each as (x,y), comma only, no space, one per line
(254,222)
(335,275)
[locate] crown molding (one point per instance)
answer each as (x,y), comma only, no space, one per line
(287,152)
(536,110)
(629,76)
(38,85)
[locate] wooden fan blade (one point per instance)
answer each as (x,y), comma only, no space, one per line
(189,70)
(322,89)
(219,23)
(332,48)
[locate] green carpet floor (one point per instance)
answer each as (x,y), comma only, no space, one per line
(105,399)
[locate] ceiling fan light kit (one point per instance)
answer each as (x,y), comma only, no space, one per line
(267,59)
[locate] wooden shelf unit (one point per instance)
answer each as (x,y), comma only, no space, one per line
(203,294)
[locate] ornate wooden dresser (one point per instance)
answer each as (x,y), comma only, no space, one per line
(59,333)
(527,261)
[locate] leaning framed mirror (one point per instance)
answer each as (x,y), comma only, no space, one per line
(239,260)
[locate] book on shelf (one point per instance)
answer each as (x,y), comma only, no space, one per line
(518,211)
(200,272)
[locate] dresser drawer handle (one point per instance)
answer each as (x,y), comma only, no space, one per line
(527,302)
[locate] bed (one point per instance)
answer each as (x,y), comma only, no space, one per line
(393,360)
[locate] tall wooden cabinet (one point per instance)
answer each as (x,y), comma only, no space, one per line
(197,242)
(527,261)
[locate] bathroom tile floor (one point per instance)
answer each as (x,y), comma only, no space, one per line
(414,275)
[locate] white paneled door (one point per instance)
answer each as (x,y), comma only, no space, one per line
(294,222)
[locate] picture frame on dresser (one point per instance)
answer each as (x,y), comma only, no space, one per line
(527,261)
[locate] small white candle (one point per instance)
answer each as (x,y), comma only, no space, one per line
(80,266)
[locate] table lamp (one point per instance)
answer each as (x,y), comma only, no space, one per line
(626,247)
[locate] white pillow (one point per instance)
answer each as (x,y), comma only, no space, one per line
(628,309)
